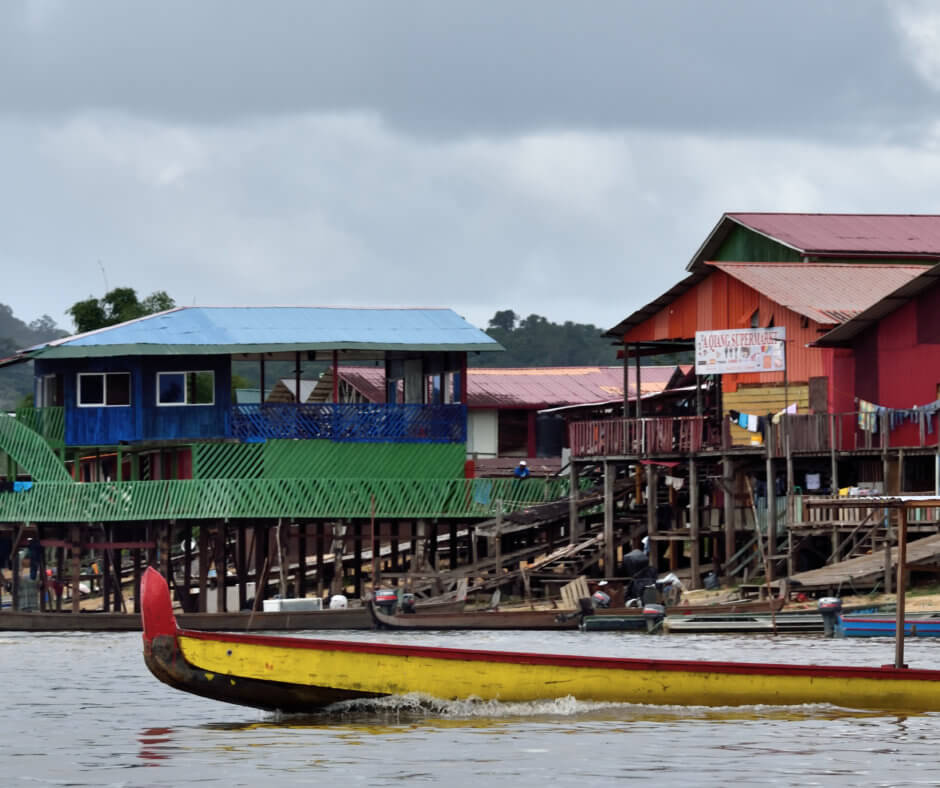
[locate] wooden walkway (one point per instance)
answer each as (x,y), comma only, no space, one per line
(867,571)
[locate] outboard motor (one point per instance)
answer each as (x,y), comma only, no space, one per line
(651,594)
(654,615)
(600,599)
(830,607)
(408,604)
(386,599)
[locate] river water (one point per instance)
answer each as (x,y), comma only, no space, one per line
(82,710)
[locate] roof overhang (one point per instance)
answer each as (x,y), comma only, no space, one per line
(844,335)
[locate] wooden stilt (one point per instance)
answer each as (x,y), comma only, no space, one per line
(694,540)
(300,581)
(221,570)
(610,471)
(203,567)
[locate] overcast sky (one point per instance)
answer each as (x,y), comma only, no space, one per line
(559,158)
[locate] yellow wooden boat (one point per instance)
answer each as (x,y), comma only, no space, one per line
(301,675)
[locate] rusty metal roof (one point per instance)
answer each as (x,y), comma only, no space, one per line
(846,233)
(844,334)
(528,387)
(829,293)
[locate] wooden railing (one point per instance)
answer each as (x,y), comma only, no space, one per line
(806,433)
(625,437)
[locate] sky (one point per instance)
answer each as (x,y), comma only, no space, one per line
(556,158)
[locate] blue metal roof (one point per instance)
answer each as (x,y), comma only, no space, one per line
(271,329)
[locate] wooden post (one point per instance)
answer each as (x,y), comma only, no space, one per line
(187,564)
(203,567)
(300,581)
(902,587)
(609,563)
(727,473)
(221,571)
(771,500)
(241,565)
(135,553)
(106,577)
(652,479)
(574,526)
(319,557)
(357,558)
(887,552)
(694,558)
(76,567)
(60,574)
(453,545)
(498,540)
(639,400)
(394,537)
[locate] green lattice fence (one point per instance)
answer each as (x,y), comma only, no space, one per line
(288,459)
(30,451)
(241,498)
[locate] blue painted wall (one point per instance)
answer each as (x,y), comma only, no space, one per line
(143,420)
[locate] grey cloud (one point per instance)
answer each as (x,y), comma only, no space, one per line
(806,67)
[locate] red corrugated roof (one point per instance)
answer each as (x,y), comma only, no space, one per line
(529,387)
(829,293)
(834,233)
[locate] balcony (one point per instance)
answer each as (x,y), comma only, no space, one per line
(351,422)
(638,437)
(882,430)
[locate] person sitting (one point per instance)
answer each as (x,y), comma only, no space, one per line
(521,471)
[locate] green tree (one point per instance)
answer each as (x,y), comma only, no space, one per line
(116,306)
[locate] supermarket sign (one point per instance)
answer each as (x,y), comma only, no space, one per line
(740,350)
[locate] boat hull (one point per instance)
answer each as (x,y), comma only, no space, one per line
(886,626)
(303,674)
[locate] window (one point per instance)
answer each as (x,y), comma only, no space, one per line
(104,389)
(49,391)
(185,388)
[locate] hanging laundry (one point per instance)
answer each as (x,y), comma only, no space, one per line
(791,409)
(752,422)
(867,420)
(742,420)
(813,481)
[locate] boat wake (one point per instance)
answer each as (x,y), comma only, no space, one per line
(416,707)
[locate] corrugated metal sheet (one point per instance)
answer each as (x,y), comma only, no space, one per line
(530,387)
(864,234)
(269,329)
(828,293)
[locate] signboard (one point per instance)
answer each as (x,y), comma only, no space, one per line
(740,350)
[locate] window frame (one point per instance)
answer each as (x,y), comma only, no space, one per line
(104,375)
(184,403)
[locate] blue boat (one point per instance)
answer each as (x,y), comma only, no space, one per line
(925,625)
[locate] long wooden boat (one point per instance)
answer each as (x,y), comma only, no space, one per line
(302,675)
(236,621)
(925,625)
(478,619)
(629,618)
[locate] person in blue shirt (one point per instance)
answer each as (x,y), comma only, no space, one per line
(521,471)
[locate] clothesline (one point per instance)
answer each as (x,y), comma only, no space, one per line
(869,414)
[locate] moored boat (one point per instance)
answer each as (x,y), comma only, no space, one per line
(302,675)
(924,625)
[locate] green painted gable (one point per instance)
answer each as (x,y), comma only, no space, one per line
(746,246)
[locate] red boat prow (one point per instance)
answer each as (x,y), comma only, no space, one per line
(156,606)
